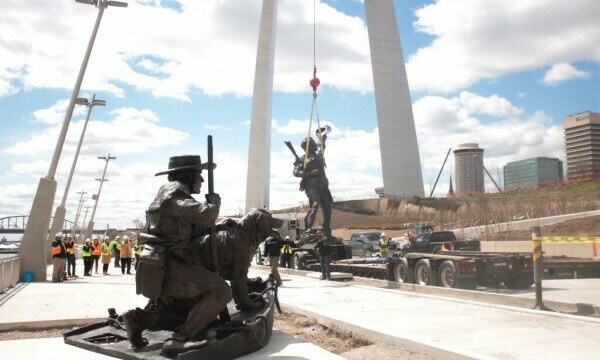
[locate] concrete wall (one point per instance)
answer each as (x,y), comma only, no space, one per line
(581,251)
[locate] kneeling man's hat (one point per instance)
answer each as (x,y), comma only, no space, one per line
(186,163)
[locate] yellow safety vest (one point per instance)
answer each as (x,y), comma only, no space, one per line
(85,251)
(105,249)
(286,249)
(384,245)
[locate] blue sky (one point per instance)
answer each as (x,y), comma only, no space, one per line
(497,73)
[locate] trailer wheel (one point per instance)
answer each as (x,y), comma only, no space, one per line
(297,261)
(400,272)
(368,254)
(448,275)
(424,274)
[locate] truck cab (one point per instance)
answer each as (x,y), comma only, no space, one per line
(432,242)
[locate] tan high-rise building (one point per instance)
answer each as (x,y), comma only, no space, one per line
(582,145)
(468,169)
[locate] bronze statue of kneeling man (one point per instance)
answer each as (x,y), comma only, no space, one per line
(185,296)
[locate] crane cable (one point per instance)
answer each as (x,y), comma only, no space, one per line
(314,83)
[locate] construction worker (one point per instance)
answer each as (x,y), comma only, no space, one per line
(70,246)
(105,252)
(384,246)
(86,254)
(273,251)
(286,252)
(59,257)
(115,245)
(126,255)
(97,249)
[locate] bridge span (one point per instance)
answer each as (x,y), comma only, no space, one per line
(17,225)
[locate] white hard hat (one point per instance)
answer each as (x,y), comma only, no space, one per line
(287,237)
(88,240)
(382,234)
(59,234)
(125,237)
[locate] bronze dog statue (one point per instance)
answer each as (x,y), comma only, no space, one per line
(236,245)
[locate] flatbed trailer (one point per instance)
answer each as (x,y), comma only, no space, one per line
(462,270)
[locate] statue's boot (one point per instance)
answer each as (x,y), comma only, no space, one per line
(138,320)
(179,343)
(134,323)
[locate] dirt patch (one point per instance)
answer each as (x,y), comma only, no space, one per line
(587,226)
(344,343)
(38,334)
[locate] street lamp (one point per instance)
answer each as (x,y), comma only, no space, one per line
(59,215)
(90,227)
(34,245)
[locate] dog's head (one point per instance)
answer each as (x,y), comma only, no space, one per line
(259,224)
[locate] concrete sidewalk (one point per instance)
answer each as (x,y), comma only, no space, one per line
(85,300)
(444,328)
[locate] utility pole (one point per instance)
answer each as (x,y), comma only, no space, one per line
(90,227)
(59,215)
(80,206)
(81,236)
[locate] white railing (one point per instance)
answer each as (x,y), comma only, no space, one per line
(10,269)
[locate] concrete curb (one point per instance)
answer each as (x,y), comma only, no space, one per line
(580,309)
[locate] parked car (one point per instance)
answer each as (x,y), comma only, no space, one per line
(366,244)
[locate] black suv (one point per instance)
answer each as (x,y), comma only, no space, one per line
(366,244)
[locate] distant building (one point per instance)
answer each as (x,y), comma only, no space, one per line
(468,169)
(582,145)
(532,173)
(451,189)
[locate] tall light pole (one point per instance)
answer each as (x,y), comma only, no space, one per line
(79,207)
(33,246)
(90,227)
(59,215)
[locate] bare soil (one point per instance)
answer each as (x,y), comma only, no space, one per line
(344,343)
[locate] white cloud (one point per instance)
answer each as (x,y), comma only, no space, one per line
(444,123)
(131,131)
(562,72)
(475,39)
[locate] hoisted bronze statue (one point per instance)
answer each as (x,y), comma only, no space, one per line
(311,169)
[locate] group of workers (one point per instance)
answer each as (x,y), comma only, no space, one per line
(64,254)
(279,251)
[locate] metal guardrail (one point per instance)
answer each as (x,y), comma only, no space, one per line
(10,268)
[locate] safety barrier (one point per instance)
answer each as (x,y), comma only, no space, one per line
(536,243)
(9,272)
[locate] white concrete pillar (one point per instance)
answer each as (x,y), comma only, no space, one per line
(400,162)
(259,152)
(34,244)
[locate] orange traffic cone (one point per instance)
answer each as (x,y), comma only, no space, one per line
(595,253)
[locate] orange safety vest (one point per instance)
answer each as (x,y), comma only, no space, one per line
(96,250)
(57,249)
(126,250)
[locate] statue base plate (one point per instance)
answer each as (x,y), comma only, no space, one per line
(111,340)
